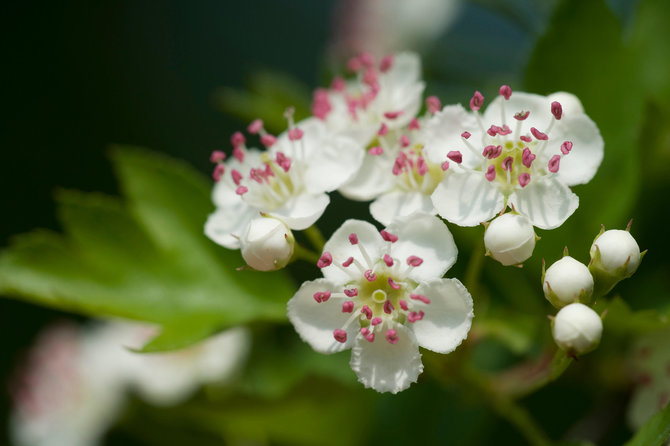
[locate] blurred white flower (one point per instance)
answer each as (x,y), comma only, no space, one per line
(383,296)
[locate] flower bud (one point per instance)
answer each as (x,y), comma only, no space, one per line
(615,255)
(267,244)
(510,239)
(577,329)
(567,281)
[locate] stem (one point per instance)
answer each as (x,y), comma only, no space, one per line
(302,253)
(315,238)
(474,266)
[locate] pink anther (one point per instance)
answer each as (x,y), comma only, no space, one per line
(217,156)
(433,104)
(370,276)
(375,151)
(370,337)
(494,130)
(393,285)
(524,179)
(376,321)
(393,114)
(325,260)
(255,126)
(477,101)
(219,170)
(414,124)
(268,140)
(445,165)
(556,110)
(466,135)
(353,238)
(490,173)
(354,64)
(241,190)
(403,304)
(554,163)
(370,77)
(347,307)
(237,139)
(338,84)
(392,336)
(527,157)
(237,176)
(566,147)
(420,297)
(367,59)
(388,307)
(414,261)
(388,236)
(348,262)
(404,141)
(505,91)
(421,166)
(414,316)
(388,260)
(295,134)
(504,130)
(525,138)
(538,134)
(507,163)
(383,130)
(283,161)
(386,63)
(367,312)
(455,156)
(522,115)
(351,292)
(340,335)
(321,105)
(322,296)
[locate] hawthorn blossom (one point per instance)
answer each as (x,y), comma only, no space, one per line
(289,181)
(523,152)
(383,296)
(384,96)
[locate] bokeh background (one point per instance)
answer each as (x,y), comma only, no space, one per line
(78,76)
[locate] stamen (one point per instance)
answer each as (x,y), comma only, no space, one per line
(445,165)
(340,335)
(353,238)
(325,260)
(338,84)
(388,307)
(268,140)
(376,321)
(217,156)
(383,130)
(386,63)
(494,130)
(556,110)
(490,173)
(433,104)
(347,307)
(393,114)
(524,179)
(466,135)
(421,166)
(527,157)
(283,161)
(505,91)
(455,156)
(370,276)
(367,334)
(414,124)
(414,316)
(388,236)
(241,190)
(237,139)
(255,126)
(507,163)
(538,134)
(367,60)
(348,262)
(354,64)
(566,147)
(367,312)
(237,176)
(420,297)
(393,285)
(375,151)
(414,261)
(351,292)
(321,105)
(219,170)
(403,304)
(525,138)
(388,260)
(295,134)
(404,141)
(477,101)
(391,336)
(522,115)
(322,296)
(554,163)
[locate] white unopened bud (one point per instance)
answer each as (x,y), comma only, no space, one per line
(510,239)
(567,281)
(267,244)
(577,329)
(615,255)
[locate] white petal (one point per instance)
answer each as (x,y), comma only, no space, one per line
(580,165)
(302,211)
(447,318)
(387,367)
(545,201)
(341,249)
(399,204)
(442,134)
(467,198)
(372,179)
(427,237)
(315,322)
(338,159)
(538,106)
(406,69)
(570,103)
(225,225)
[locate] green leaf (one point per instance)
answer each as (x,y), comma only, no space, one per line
(145,258)
(654,432)
(621,320)
(593,63)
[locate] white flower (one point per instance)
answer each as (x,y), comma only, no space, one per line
(288,182)
(523,152)
(577,328)
(567,281)
(616,252)
(382,295)
(384,96)
(67,394)
(510,239)
(267,244)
